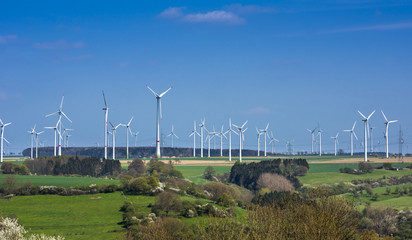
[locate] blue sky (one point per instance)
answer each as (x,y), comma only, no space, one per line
(293,63)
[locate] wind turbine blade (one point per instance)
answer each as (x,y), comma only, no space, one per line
(175,135)
(118,125)
(235,126)
(347,130)
(104,98)
(354,126)
(61,104)
(6,140)
(371,114)
(354,134)
(67,117)
(384,116)
(40,132)
(245,123)
(161,95)
(361,114)
(131,133)
(169,135)
(257,130)
(245,130)
(393,121)
(157,95)
(309,130)
(51,114)
(130,121)
(267,127)
(6,124)
(276,140)
(1,121)
(111,124)
(192,134)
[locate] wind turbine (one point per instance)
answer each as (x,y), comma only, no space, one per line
(114,138)
(222,134)
(387,132)
(127,136)
(241,138)
(214,133)
(106,115)
(352,133)
(55,135)
(312,132)
(365,145)
(37,141)
(230,130)
(258,141)
(60,113)
(31,140)
(265,132)
(159,112)
(64,135)
(135,137)
(320,140)
(371,138)
(194,132)
(172,133)
(67,140)
(208,138)
(2,137)
(272,141)
(336,141)
(202,126)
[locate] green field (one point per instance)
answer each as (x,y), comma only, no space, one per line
(61,181)
(195,173)
(74,217)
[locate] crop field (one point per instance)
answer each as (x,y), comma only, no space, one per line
(61,181)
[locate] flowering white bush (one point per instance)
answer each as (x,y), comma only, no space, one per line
(10,229)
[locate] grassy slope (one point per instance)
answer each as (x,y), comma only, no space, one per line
(74,217)
(61,181)
(194,173)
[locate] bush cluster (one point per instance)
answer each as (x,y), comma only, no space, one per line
(13,168)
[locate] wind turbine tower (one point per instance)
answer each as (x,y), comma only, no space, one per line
(222,134)
(31,140)
(272,141)
(387,122)
(194,132)
(320,140)
(230,130)
(336,141)
(241,138)
(106,116)
(352,133)
(265,132)
(312,132)
(2,126)
(202,126)
(172,133)
(158,114)
(258,141)
(127,136)
(37,142)
(366,121)
(60,113)
(114,138)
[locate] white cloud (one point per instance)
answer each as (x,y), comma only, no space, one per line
(7,39)
(256,111)
(218,16)
(59,45)
(249,9)
(382,27)
(172,12)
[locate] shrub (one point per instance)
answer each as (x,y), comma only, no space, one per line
(12,168)
(387,166)
(167,201)
(365,167)
(209,173)
(10,184)
(138,166)
(139,185)
(217,189)
(275,182)
(226,200)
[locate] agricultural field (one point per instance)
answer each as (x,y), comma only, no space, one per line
(61,181)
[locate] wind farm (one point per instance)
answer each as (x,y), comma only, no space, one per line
(205,120)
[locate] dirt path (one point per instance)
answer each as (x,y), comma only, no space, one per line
(372,160)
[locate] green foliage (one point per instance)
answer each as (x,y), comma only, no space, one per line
(166,202)
(217,189)
(209,173)
(226,200)
(86,166)
(10,184)
(387,166)
(365,167)
(12,168)
(246,175)
(164,170)
(138,167)
(142,185)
